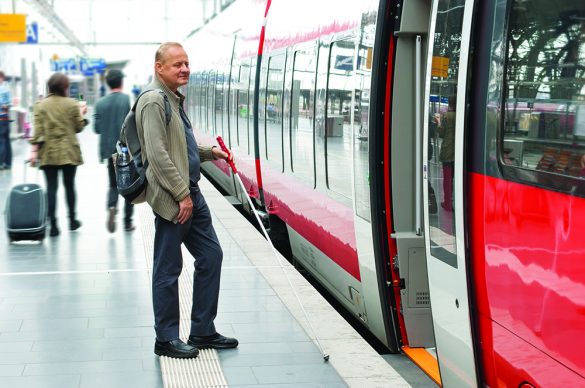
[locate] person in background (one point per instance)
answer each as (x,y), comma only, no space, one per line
(446,130)
(135,91)
(432,133)
(181,213)
(110,112)
(5,147)
(57,120)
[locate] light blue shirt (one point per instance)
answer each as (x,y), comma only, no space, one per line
(4,99)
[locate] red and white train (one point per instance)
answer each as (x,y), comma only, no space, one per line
(401,151)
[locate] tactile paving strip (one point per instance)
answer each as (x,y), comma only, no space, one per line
(205,370)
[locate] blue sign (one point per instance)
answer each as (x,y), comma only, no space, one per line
(64,64)
(90,66)
(344,62)
(32,33)
(435,98)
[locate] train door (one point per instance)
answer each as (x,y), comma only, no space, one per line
(394,131)
(444,119)
(411,34)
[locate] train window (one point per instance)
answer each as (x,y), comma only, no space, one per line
(197,100)
(233,105)
(543,125)
(273,109)
(361,125)
(210,102)
(263,151)
(338,115)
(218,108)
(191,97)
(243,106)
(446,51)
(301,115)
(251,86)
(226,116)
(203,102)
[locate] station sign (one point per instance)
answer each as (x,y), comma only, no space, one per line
(32,33)
(12,27)
(441,99)
(63,64)
(440,67)
(91,66)
(84,66)
(344,62)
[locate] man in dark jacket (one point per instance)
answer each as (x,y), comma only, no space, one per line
(181,213)
(110,112)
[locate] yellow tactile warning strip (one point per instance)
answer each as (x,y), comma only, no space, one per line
(425,360)
(205,370)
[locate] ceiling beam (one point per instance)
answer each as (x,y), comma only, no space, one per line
(47,10)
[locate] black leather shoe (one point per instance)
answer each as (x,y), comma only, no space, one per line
(215,341)
(175,348)
(74,224)
(54,231)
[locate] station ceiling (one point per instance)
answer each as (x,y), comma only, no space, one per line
(93,23)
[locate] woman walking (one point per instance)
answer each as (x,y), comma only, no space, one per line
(57,120)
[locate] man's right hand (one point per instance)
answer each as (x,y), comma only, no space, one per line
(185,209)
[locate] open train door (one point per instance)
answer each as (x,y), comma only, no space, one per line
(443,177)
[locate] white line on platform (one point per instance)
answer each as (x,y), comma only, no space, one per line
(72,272)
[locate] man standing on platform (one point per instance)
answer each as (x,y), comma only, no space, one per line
(5,147)
(181,213)
(110,112)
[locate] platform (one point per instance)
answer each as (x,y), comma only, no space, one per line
(75,311)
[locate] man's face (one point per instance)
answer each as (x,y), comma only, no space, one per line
(173,69)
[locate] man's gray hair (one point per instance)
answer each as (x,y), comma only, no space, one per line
(162,50)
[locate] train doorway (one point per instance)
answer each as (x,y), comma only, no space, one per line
(397,161)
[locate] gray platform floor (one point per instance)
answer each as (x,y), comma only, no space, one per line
(75,311)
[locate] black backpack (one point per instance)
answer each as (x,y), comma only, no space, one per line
(131,174)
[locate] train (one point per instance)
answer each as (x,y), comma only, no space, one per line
(423,160)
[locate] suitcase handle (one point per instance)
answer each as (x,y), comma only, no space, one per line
(27,162)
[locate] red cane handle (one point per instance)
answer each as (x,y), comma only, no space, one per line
(230,161)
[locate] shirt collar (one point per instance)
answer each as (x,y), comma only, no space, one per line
(176,96)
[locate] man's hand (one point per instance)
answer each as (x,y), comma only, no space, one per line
(185,209)
(219,154)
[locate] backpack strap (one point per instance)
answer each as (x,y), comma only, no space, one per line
(168,109)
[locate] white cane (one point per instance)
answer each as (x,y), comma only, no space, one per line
(237,175)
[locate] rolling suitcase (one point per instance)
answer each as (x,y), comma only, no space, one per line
(26,212)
